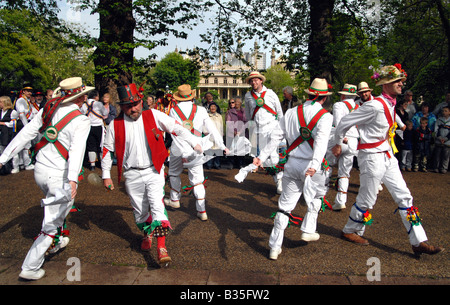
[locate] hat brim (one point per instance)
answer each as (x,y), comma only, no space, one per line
(347,93)
(57,93)
(177,96)
(262,77)
(314,93)
(385,81)
(364,90)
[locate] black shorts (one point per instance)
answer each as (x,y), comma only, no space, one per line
(94,139)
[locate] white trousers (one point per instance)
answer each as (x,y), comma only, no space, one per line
(24,156)
(49,181)
(374,169)
(345,165)
(195,176)
(259,141)
(145,187)
(293,182)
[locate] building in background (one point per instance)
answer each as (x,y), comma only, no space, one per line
(227,75)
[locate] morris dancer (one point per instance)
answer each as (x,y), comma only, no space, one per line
(59,157)
(195,119)
(96,113)
(136,138)
(307,128)
(376,123)
(364,92)
(349,152)
(263,107)
(24,108)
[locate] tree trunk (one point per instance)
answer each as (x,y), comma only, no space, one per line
(113,57)
(319,61)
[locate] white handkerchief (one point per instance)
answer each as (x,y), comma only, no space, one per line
(243,172)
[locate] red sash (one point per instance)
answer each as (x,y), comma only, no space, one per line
(154,137)
(270,110)
(309,127)
(390,122)
(191,118)
(350,108)
(58,126)
(36,106)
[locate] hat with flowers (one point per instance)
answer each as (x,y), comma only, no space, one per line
(389,74)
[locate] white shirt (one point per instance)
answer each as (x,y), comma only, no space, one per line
(340,110)
(98,108)
(289,127)
(372,124)
(265,121)
(73,137)
(202,122)
(137,153)
(23,108)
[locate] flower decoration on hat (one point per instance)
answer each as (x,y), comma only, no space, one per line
(389,72)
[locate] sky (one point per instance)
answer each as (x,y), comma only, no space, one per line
(90,23)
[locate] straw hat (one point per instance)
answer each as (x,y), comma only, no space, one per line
(389,74)
(129,94)
(71,88)
(348,90)
(363,86)
(184,93)
(319,87)
(255,74)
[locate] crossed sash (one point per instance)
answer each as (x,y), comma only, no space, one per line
(305,135)
(90,109)
(391,132)
(261,103)
(306,129)
(51,134)
(188,123)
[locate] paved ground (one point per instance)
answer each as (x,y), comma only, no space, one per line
(231,247)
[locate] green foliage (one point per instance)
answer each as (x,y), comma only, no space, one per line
(173,70)
(352,54)
(19,65)
(31,54)
(277,78)
(414,35)
(429,84)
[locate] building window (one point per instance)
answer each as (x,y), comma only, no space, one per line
(206,81)
(225,81)
(216,80)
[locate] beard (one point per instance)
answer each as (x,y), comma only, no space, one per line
(134,115)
